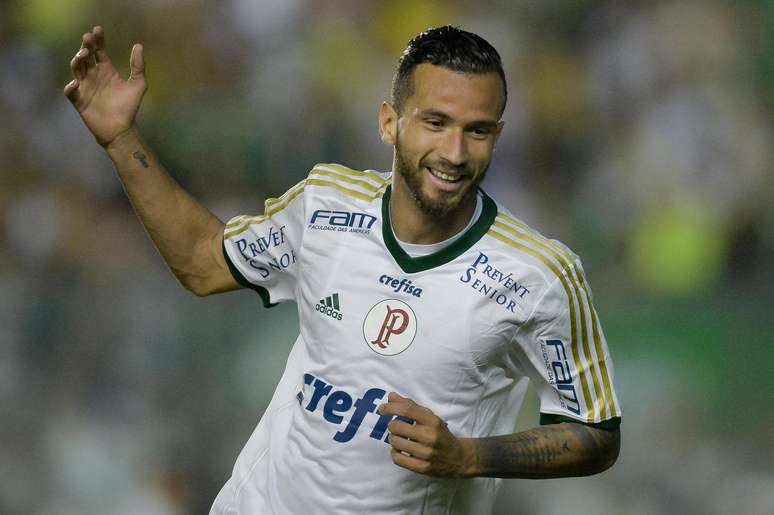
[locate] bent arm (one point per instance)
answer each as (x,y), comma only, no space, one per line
(557,450)
(188,236)
(553,451)
(185,232)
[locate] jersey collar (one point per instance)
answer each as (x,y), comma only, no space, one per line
(412,265)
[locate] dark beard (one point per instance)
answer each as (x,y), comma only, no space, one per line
(436,209)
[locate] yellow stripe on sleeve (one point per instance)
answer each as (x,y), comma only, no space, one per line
(561,255)
(363,184)
(349,171)
(347,191)
(573,325)
(606,379)
(272,207)
(612,410)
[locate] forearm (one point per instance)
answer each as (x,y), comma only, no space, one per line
(553,451)
(183,230)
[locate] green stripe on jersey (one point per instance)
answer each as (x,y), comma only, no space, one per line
(610,424)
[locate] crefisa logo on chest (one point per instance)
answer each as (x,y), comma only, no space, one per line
(390,327)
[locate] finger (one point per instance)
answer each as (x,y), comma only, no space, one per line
(396,401)
(416,449)
(418,433)
(396,397)
(89,42)
(401,411)
(405,430)
(409,462)
(78,64)
(136,63)
(398,405)
(100,48)
(71,90)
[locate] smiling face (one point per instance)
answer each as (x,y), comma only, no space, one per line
(444,137)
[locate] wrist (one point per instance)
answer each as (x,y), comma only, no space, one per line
(128,139)
(469,458)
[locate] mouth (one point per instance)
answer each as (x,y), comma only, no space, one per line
(446,177)
(445,181)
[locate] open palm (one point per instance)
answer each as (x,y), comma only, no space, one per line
(107,103)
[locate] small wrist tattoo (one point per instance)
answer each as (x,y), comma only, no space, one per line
(142,158)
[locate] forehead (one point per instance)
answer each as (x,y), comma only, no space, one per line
(460,95)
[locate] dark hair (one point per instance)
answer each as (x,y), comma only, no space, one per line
(450,47)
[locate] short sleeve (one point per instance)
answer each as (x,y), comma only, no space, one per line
(565,353)
(263,251)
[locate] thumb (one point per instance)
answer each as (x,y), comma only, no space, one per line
(136,63)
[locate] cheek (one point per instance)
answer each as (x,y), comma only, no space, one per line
(415,146)
(481,151)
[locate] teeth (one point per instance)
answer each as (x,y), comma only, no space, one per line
(441,175)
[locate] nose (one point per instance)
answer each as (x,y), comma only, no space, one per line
(454,148)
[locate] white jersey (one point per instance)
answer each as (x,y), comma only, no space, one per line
(460,331)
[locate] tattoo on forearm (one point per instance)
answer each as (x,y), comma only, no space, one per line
(142,158)
(550,451)
(528,452)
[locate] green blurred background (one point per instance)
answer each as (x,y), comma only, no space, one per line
(639,133)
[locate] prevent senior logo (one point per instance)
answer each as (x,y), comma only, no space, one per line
(390,327)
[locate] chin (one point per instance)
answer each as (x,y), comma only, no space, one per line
(440,206)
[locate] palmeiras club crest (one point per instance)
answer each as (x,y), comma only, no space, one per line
(390,327)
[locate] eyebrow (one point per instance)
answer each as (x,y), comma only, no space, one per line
(434,113)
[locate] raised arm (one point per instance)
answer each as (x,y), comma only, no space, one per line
(186,233)
(558,450)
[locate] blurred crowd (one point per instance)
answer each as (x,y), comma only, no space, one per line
(639,133)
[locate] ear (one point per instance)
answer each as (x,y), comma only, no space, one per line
(388,123)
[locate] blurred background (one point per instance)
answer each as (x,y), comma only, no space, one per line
(639,133)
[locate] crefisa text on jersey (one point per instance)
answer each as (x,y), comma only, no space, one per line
(401,285)
(339,401)
(250,249)
(485,287)
(341,221)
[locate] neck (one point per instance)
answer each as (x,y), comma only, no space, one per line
(412,225)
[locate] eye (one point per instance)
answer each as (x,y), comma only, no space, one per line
(480,132)
(434,123)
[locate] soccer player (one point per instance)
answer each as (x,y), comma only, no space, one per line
(425,306)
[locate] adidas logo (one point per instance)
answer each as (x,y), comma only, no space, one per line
(330,306)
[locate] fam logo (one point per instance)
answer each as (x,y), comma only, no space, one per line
(401,285)
(559,374)
(390,327)
(341,221)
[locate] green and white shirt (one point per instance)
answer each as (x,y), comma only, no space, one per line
(461,331)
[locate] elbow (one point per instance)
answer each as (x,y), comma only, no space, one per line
(608,452)
(608,462)
(198,290)
(198,287)
(194,283)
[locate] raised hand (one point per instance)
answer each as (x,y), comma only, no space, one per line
(427,447)
(107,103)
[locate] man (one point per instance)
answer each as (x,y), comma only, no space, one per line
(425,307)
